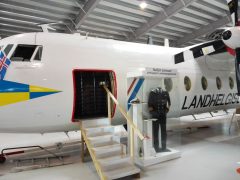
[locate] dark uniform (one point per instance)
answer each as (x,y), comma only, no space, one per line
(158,102)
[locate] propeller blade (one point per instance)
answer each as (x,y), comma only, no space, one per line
(233,8)
(217,34)
(237,68)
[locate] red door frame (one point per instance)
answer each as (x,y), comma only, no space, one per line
(93,70)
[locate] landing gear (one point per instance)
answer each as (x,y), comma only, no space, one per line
(2,159)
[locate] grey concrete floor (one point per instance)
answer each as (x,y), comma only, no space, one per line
(207,154)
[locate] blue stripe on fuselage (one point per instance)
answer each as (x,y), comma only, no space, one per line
(135,91)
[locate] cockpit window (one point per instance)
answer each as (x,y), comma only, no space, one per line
(23,52)
(8,49)
(38,55)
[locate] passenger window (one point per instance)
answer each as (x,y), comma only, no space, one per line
(168,84)
(187,83)
(8,49)
(38,55)
(219,83)
(204,83)
(231,82)
(23,52)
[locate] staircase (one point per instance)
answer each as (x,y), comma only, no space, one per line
(108,154)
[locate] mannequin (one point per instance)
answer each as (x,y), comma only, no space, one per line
(159,104)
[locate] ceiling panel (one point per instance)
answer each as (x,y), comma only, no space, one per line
(118,19)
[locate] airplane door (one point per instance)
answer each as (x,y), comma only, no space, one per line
(90,99)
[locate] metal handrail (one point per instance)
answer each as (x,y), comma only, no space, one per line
(129,119)
(133,127)
(95,162)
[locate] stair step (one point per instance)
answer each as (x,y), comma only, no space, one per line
(104,143)
(104,148)
(96,128)
(95,141)
(111,150)
(126,169)
(114,162)
(96,122)
(99,138)
(100,132)
(113,158)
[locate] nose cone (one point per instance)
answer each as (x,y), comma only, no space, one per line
(227,35)
(231,37)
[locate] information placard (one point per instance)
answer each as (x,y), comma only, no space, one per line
(160,72)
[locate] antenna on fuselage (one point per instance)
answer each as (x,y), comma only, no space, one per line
(149,40)
(166,42)
(87,33)
(47,26)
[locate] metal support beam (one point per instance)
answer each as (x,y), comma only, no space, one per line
(204,30)
(11,31)
(161,17)
(31,5)
(5,34)
(85,11)
(51,15)
(23,27)
(22,17)
(97,33)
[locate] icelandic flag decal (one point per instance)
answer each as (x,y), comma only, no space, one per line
(4,64)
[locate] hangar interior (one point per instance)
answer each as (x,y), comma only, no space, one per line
(183,22)
(208,142)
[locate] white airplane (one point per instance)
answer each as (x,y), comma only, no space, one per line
(50,80)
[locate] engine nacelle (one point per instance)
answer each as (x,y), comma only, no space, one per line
(231,37)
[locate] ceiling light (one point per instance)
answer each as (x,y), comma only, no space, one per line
(143,5)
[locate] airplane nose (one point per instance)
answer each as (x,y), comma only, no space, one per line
(227,35)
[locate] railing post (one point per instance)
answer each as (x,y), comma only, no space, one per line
(132,142)
(109,106)
(132,126)
(83,146)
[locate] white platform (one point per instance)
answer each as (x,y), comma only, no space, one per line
(158,158)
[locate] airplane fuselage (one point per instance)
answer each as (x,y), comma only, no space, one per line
(62,54)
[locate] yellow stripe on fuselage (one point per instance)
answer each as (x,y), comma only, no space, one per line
(10,98)
(40,89)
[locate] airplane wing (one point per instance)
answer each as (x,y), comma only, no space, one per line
(230,41)
(204,49)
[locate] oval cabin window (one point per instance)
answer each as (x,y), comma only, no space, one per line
(204,83)
(231,82)
(218,83)
(187,83)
